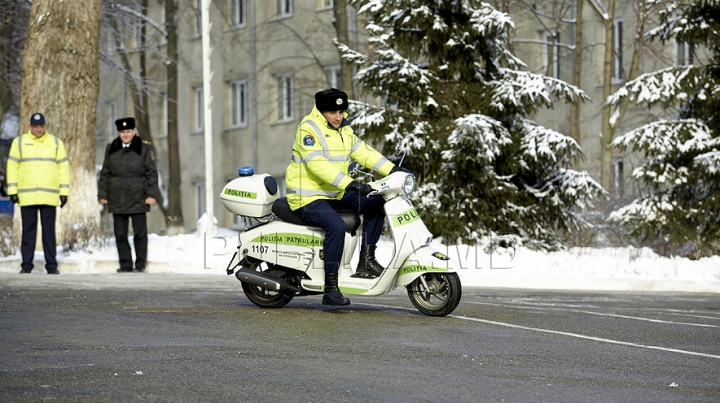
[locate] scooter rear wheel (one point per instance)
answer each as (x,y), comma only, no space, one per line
(263,297)
(435,294)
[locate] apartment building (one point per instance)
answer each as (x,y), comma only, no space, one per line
(270,57)
(268,60)
(547,37)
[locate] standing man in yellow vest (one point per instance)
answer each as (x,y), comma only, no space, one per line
(318,185)
(38,178)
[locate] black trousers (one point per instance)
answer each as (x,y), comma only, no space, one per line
(140,240)
(323,213)
(29,215)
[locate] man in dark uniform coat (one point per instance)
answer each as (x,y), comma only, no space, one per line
(128,186)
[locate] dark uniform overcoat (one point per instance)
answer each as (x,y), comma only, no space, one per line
(128,176)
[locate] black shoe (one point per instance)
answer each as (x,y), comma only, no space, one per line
(332,295)
(368,267)
(25,271)
(56,271)
(121,270)
(140,269)
(335,297)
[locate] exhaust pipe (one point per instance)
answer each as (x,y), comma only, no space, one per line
(263,280)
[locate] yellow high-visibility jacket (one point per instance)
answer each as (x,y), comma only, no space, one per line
(38,171)
(320,159)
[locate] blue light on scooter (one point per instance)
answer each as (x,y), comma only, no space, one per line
(246,171)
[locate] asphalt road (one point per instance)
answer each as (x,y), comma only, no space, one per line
(184,338)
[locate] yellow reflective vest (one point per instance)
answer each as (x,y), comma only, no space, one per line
(38,170)
(320,159)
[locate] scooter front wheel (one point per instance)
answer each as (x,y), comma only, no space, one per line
(435,294)
(263,297)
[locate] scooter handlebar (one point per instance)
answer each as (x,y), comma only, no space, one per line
(389,185)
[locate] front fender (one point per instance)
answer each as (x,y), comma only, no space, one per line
(425,260)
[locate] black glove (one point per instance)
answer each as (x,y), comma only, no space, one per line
(360,188)
(14,199)
(399,169)
(63,201)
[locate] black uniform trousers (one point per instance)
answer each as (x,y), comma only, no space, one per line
(29,215)
(140,240)
(323,213)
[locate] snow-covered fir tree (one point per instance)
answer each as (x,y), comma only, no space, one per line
(681,170)
(458,102)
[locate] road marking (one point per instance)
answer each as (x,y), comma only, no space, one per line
(593,313)
(582,336)
(576,335)
(694,316)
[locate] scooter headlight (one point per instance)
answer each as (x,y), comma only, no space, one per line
(409,184)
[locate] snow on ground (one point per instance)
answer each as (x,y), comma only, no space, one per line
(618,269)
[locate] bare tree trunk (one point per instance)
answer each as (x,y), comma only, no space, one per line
(60,78)
(175,222)
(638,45)
(13,27)
(140,98)
(606,135)
(139,88)
(610,124)
(342,28)
(6,29)
(577,75)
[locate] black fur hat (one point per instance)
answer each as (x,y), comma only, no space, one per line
(331,100)
(125,124)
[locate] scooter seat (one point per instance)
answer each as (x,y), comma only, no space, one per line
(281,208)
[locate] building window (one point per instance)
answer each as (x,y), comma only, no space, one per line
(112,114)
(199,200)
(323,4)
(110,43)
(573,27)
(238,103)
(552,54)
(198,109)
(198,17)
(683,53)
(120,40)
(237,12)
(617,62)
(283,8)
(137,31)
(618,178)
(285,100)
(333,76)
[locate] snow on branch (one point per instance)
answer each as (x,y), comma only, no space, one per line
(664,136)
(649,209)
(392,68)
(709,162)
(661,173)
(540,143)
(481,133)
(667,85)
(486,20)
(696,23)
(520,88)
(366,115)
(351,56)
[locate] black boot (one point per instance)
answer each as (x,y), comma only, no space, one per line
(332,295)
(368,267)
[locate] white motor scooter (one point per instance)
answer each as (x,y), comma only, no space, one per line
(280,257)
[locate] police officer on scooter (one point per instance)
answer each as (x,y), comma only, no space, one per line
(318,185)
